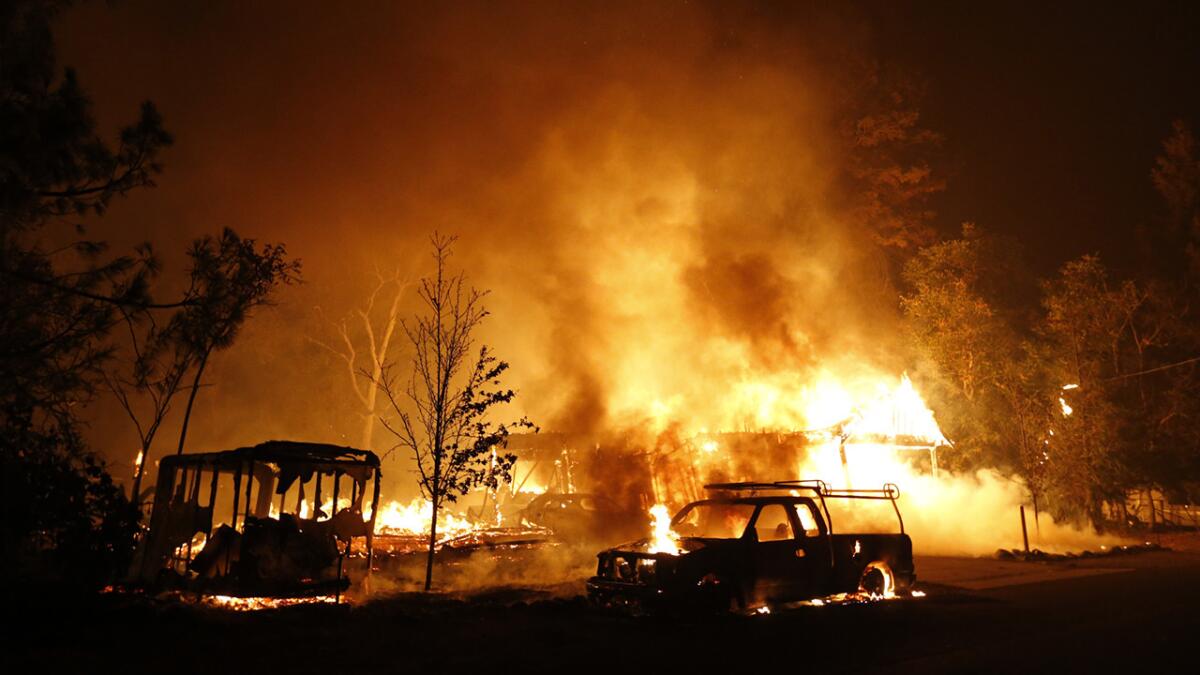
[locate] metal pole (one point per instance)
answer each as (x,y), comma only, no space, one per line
(1024,532)
(1037,520)
(845,464)
(237,495)
(249,487)
(317,498)
(337,589)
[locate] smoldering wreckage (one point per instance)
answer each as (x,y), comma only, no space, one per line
(287,522)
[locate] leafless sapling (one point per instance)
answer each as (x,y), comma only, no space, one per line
(443,409)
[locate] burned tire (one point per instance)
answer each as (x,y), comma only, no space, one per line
(877,580)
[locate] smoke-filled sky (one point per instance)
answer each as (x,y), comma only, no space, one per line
(652,192)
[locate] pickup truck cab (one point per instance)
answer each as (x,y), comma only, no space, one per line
(756,543)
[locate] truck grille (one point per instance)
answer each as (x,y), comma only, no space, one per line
(630,568)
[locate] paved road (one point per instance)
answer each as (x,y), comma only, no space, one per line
(1099,615)
(1135,611)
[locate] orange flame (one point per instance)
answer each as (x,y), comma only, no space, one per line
(663,539)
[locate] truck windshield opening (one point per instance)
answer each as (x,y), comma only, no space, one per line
(713,520)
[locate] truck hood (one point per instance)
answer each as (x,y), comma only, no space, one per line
(642,546)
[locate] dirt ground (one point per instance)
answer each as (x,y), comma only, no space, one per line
(979,615)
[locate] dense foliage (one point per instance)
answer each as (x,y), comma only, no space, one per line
(62,295)
(1086,385)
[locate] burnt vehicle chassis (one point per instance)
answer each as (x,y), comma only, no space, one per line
(720,574)
(249,548)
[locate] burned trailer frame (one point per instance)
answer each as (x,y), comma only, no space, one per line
(251,549)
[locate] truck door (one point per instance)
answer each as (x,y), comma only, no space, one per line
(781,560)
(817,551)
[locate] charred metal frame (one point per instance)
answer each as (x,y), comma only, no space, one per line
(177,517)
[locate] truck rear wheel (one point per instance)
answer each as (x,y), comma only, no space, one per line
(877,581)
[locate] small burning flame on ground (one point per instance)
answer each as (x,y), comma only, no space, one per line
(413,518)
(840,599)
(663,539)
(251,604)
(398,518)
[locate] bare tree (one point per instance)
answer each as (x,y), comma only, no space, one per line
(444,406)
(378,329)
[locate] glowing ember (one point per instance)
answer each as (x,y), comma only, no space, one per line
(663,539)
(1066,409)
(183,551)
(258,603)
(530,487)
(918,594)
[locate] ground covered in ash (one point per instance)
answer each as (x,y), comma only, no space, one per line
(980,614)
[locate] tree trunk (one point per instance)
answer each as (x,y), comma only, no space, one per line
(368,433)
(187,412)
(137,477)
(432,541)
(377,357)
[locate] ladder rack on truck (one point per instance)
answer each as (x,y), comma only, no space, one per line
(889,492)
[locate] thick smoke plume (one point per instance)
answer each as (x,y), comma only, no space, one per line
(657,202)
(668,207)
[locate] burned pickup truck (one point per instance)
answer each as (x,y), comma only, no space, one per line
(753,544)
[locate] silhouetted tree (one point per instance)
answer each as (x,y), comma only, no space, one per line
(890,169)
(444,408)
(59,304)
(230,277)
(159,363)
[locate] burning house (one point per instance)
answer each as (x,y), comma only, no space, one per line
(844,439)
